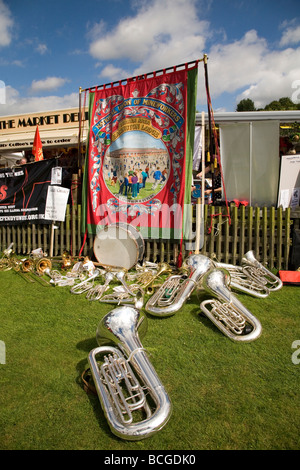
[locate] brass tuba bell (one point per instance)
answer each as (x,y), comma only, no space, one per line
(43,266)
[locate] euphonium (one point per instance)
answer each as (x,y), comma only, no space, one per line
(254,269)
(124,394)
(174,292)
(243,282)
(226,311)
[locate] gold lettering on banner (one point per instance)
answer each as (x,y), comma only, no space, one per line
(136,124)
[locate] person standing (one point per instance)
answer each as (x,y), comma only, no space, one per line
(134,182)
(144,176)
(157,176)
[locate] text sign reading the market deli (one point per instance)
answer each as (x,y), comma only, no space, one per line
(23,192)
(139,160)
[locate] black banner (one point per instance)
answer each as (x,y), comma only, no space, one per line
(23,192)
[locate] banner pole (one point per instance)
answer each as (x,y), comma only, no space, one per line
(203,164)
(200,204)
(211,144)
(79,134)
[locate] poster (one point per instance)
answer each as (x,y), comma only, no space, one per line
(23,192)
(289,182)
(56,203)
(138,167)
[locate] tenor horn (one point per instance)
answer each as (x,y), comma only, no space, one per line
(175,291)
(254,269)
(229,315)
(124,394)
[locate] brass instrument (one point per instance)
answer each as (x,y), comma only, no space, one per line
(95,293)
(43,266)
(121,296)
(226,311)
(132,397)
(148,277)
(242,281)
(23,269)
(174,292)
(86,284)
(7,259)
(66,260)
(36,269)
(255,270)
(228,314)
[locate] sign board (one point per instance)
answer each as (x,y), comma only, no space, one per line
(23,192)
(56,203)
(56,175)
(289,182)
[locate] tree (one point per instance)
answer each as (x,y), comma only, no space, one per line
(245,105)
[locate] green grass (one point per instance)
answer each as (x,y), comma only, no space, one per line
(143,192)
(225,395)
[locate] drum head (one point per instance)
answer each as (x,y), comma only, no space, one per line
(118,246)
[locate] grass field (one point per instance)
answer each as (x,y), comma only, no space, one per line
(225,395)
(144,193)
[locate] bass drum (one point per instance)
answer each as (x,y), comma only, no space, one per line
(119,246)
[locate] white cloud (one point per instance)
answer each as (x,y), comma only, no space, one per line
(291,33)
(16,105)
(113,73)
(48,84)
(6,25)
(154,33)
(42,49)
(162,34)
(276,74)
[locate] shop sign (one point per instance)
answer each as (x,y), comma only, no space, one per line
(50,120)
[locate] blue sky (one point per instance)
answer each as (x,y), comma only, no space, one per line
(48,49)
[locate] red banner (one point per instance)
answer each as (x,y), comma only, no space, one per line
(139,163)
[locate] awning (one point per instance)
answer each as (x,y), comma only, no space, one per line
(53,138)
(8,159)
(250,116)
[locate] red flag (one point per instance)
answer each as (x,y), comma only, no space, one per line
(37,150)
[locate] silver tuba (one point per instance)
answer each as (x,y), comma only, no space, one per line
(225,310)
(122,394)
(242,281)
(175,291)
(255,270)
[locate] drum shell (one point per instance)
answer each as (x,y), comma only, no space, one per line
(119,246)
